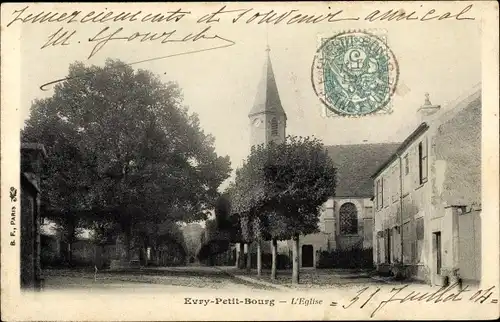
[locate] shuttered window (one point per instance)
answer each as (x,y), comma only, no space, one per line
(422,165)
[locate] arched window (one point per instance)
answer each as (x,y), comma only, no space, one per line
(274,127)
(348,219)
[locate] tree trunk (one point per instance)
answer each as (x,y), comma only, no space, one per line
(259,259)
(249,257)
(237,255)
(274,249)
(71,237)
(145,251)
(295,269)
(127,244)
(98,250)
(70,253)
(241,257)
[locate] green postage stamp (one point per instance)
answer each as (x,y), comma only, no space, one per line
(355,73)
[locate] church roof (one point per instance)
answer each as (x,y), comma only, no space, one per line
(267,98)
(355,165)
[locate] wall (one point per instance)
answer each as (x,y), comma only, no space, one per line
(328,238)
(457,149)
(319,241)
(469,260)
(401,212)
(456,181)
(29,251)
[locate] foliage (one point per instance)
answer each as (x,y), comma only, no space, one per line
(280,188)
(167,232)
(214,240)
(103,232)
(122,148)
(223,212)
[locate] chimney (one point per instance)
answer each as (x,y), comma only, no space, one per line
(427,110)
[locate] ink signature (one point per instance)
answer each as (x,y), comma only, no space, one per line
(444,294)
(165,37)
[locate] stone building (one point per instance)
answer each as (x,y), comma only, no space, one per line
(32,155)
(347,218)
(428,196)
(346,221)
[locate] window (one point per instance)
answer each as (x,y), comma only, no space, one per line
(379,245)
(407,243)
(395,184)
(422,164)
(419,232)
(348,219)
(407,165)
(274,127)
(384,194)
(379,193)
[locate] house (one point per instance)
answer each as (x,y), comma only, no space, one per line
(32,155)
(428,197)
(347,219)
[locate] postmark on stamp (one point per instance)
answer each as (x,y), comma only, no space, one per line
(355,73)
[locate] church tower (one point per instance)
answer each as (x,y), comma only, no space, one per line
(267,116)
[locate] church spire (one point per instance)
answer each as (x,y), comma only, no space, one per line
(267,99)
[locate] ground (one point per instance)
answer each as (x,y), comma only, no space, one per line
(196,278)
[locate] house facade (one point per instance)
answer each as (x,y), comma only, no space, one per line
(427,198)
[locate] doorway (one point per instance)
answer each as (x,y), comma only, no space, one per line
(437,242)
(307,256)
(388,246)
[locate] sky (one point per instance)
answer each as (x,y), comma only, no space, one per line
(442,58)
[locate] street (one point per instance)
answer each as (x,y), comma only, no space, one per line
(196,278)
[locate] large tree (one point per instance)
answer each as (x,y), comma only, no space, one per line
(121,146)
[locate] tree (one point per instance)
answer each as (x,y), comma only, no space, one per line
(230,223)
(122,147)
(283,186)
(248,195)
(300,177)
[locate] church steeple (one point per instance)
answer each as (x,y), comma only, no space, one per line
(267,116)
(267,98)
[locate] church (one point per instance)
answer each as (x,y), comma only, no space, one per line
(347,217)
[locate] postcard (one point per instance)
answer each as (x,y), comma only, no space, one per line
(249,161)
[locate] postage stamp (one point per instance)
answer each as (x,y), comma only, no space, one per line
(355,73)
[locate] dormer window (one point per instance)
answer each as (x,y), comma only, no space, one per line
(274,127)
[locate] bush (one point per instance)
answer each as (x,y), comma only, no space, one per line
(346,258)
(49,259)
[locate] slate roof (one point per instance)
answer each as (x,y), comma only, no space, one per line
(267,98)
(407,142)
(356,163)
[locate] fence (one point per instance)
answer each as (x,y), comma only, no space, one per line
(346,258)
